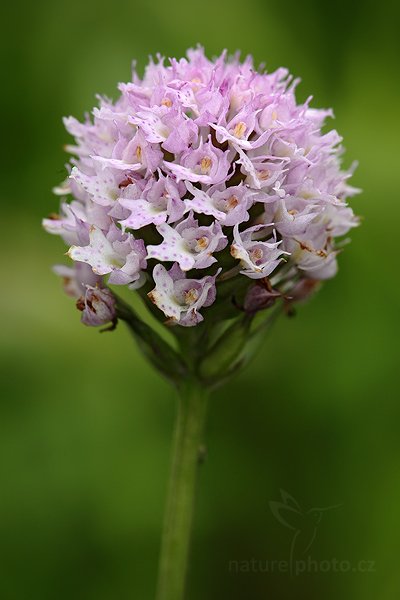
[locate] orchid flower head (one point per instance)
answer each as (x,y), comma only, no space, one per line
(202,170)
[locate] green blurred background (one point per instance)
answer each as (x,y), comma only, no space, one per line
(85,425)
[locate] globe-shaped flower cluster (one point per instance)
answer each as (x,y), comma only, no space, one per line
(201,172)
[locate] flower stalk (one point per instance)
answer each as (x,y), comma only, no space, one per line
(186,455)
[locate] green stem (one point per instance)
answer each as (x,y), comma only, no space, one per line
(180,501)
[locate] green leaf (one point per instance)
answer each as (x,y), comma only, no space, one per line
(226,350)
(159,353)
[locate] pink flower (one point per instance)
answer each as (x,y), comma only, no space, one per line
(97,306)
(179,298)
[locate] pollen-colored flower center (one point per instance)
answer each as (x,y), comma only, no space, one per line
(256,254)
(264,175)
(139,153)
(202,244)
(239,130)
(205,165)
(191,296)
(232,202)
(125,182)
(166,102)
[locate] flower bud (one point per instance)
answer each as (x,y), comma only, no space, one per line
(97,306)
(260,296)
(303,289)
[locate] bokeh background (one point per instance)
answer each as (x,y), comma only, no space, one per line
(85,425)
